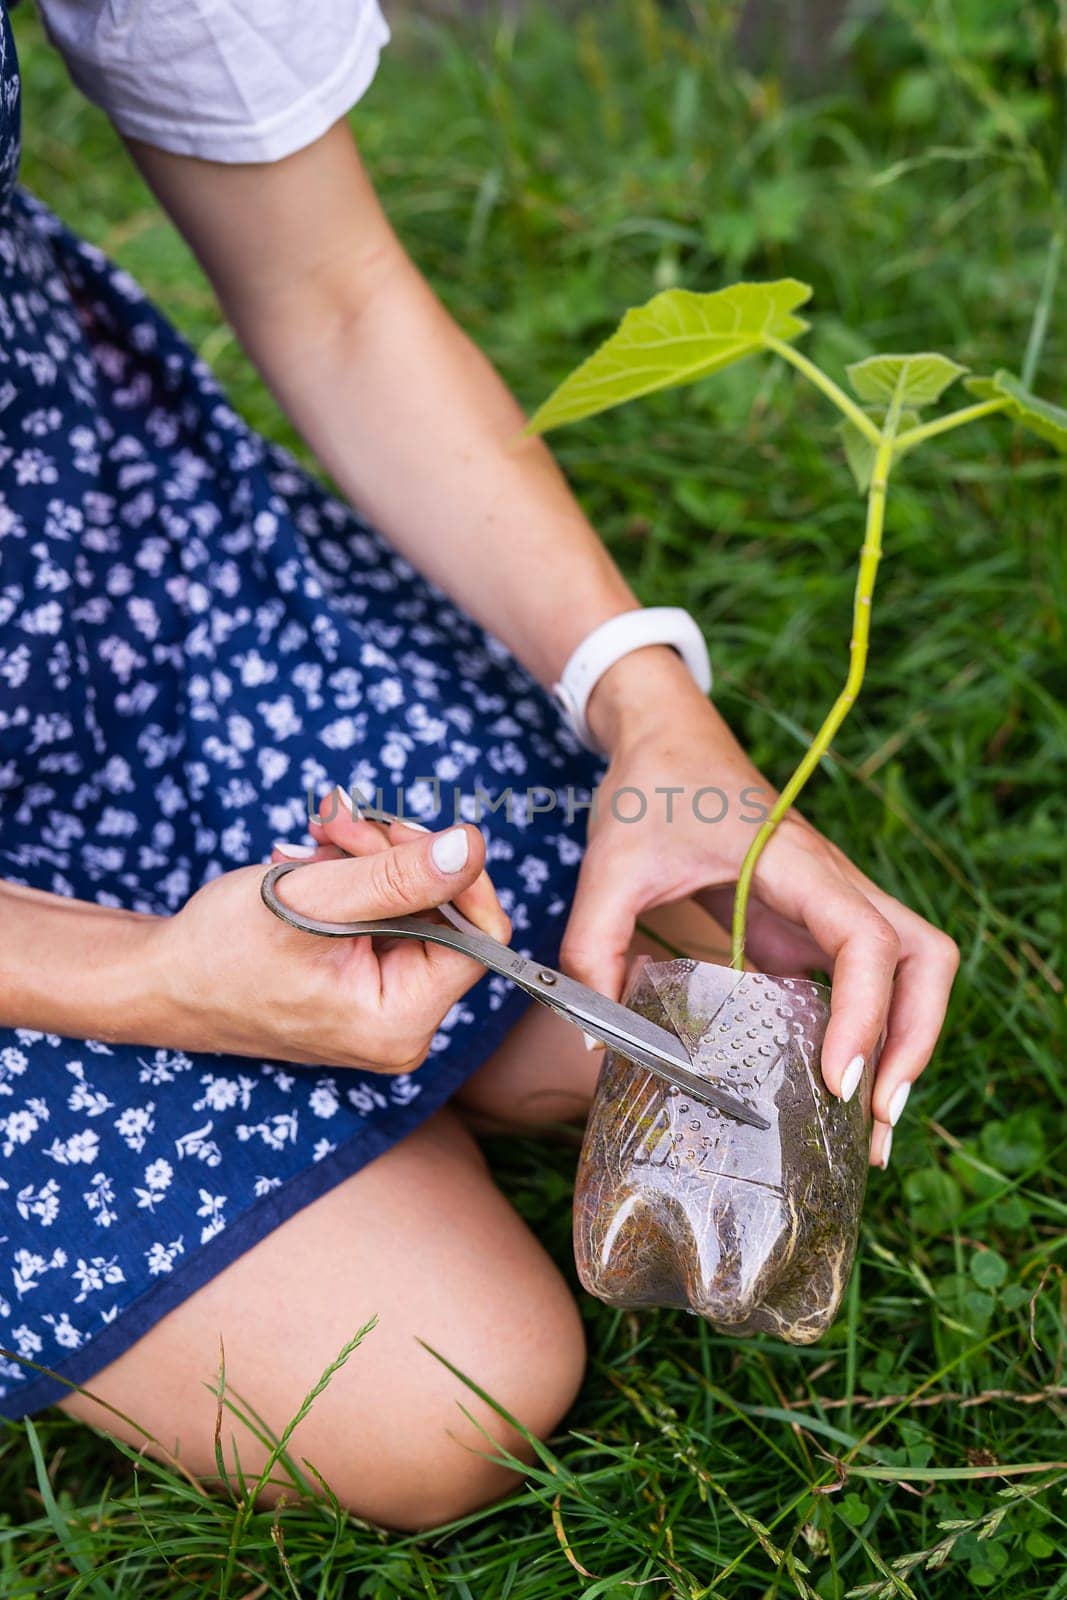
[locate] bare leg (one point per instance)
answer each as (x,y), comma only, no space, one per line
(422,1239)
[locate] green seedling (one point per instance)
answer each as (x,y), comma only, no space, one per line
(680,336)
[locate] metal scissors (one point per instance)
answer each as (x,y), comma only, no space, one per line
(621,1029)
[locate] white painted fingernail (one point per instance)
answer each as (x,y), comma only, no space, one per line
(591,1043)
(299,852)
(345,798)
(898,1102)
(886,1147)
(450,850)
(850,1078)
(416,827)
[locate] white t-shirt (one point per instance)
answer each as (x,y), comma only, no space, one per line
(226,80)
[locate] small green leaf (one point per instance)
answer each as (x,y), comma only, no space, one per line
(855,1510)
(859,451)
(923,377)
(1012,1213)
(988,1269)
(994,1556)
(916,98)
(1040,416)
(934,1197)
(1016,1144)
(978,1308)
(677,337)
(1039,1545)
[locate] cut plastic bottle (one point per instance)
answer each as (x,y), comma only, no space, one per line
(677,1204)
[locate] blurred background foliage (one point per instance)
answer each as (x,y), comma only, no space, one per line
(547,167)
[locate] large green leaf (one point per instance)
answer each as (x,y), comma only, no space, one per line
(923,377)
(860,451)
(1040,416)
(677,337)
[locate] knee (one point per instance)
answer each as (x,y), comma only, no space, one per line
(440,1464)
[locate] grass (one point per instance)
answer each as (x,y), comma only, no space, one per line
(546,174)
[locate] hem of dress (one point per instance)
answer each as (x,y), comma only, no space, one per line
(254,1225)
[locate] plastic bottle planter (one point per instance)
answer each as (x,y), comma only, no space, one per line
(678,1205)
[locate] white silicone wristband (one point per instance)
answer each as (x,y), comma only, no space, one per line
(616,638)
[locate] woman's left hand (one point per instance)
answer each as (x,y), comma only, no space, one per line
(695,800)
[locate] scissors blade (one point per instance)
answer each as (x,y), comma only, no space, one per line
(631,1035)
(621,1029)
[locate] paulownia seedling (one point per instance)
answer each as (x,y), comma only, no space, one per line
(680,336)
(675,1204)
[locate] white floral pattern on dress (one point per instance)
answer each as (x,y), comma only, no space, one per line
(192,635)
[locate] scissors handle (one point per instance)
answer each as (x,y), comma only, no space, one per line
(468,939)
(618,1027)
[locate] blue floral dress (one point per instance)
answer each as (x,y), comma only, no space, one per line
(193,635)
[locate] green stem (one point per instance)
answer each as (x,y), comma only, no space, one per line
(870,555)
(954,419)
(830,389)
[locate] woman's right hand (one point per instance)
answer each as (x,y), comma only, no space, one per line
(239,980)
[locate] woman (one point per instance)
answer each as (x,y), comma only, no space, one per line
(211,1125)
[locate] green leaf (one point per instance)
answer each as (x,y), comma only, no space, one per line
(1040,416)
(994,1556)
(74,1543)
(978,1308)
(1012,1213)
(859,453)
(1039,1545)
(934,1197)
(916,98)
(855,1509)
(859,450)
(988,1269)
(922,378)
(1016,1144)
(677,337)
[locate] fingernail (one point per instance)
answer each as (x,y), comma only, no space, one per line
(886,1147)
(450,850)
(898,1102)
(416,827)
(345,799)
(850,1078)
(299,852)
(591,1043)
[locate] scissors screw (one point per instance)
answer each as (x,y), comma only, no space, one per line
(547,977)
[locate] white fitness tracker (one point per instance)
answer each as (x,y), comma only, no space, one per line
(606,645)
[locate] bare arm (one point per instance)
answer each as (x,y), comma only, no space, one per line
(397,403)
(418,430)
(67,966)
(223,974)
